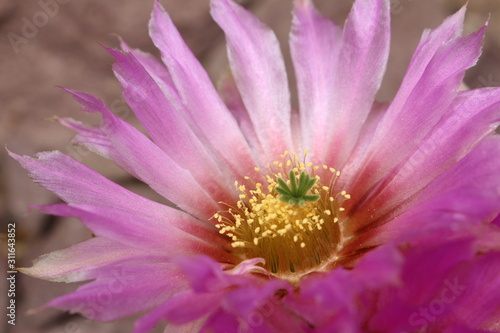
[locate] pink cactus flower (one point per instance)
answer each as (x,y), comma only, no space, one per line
(347,215)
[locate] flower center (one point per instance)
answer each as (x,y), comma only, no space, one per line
(291,221)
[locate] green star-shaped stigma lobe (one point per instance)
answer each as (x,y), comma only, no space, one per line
(296,194)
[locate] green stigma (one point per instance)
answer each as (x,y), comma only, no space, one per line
(296,194)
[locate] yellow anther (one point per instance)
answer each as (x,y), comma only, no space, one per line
(261,225)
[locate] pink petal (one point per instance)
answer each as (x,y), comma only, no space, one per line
(431,41)
(401,131)
(205,110)
(156,69)
(75,183)
(232,97)
(142,158)
(163,120)
(367,132)
(473,198)
(429,44)
(315,43)
(362,61)
(142,232)
(260,74)
(476,114)
(75,262)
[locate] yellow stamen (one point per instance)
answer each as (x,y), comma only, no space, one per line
(293,239)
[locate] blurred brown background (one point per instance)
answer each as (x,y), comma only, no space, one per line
(64,50)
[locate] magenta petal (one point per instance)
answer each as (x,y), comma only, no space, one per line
(381,267)
(329,302)
(259,72)
(121,290)
(340,299)
(433,284)
(496,221)
(463,329)
(478,171)
(222,321)
(203,273)
(221,294)
(204,107)
(478,305)
(259,309)
(435,295)
(182,308)
(147,322)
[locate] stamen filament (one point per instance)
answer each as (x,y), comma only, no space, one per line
(291,223)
